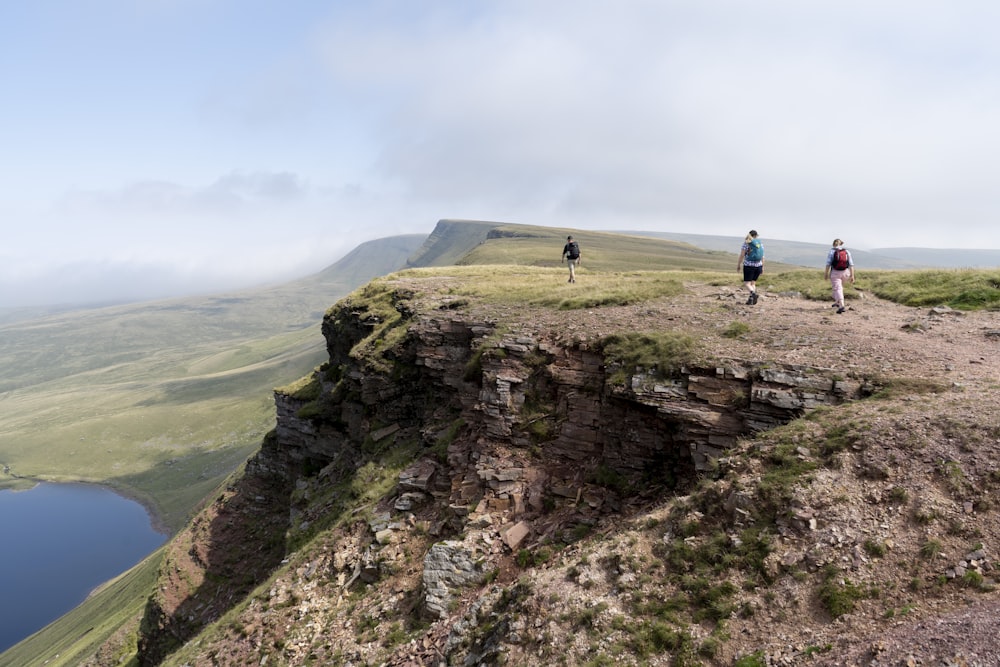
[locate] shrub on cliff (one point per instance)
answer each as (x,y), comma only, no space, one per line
(664,351)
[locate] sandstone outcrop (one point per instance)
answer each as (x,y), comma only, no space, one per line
(509,426)
(445,452)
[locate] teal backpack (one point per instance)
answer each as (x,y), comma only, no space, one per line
(755,251)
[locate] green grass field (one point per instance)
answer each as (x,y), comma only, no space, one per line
(162,400)
(600,251)
(963,289)
(163,425)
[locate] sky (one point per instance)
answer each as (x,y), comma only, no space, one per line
(158,147)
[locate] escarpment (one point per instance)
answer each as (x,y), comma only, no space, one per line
(557,412)
(467,481)
(502,434)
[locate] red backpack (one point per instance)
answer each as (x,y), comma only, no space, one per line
(841,260)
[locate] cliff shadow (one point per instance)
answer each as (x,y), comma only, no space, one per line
(228,549)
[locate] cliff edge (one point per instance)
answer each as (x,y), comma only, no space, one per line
(675,480)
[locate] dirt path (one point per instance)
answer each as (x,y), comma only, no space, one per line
(874,336)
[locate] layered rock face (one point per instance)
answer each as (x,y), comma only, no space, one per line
(513,438)
(553,408)
(468,480)
(512,426)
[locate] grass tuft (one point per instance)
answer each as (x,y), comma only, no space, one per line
(666,352)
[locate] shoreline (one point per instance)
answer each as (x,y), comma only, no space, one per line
(156,522)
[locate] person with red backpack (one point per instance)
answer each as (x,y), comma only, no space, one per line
(839,266)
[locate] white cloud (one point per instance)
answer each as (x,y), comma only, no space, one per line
(227,137)
(833,114)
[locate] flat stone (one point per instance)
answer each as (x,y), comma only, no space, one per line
(514,535)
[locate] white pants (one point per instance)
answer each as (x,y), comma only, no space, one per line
(837,283)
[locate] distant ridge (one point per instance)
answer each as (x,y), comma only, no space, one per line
(450,241)
(457,241)
(468,242)
(956,258)
(814,254)
(371,259)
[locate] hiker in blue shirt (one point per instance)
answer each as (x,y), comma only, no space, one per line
(751,263)
(839,265)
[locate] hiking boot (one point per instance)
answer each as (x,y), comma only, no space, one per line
(840,310)
(750,300)
(753,298)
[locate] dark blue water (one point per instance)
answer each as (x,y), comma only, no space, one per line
(57,543)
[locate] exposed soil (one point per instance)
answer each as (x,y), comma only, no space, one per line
(873,336)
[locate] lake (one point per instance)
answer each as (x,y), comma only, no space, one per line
(59,542)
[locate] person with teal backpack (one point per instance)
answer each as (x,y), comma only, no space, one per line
(751,262)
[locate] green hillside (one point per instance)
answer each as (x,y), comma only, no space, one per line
(358,266)
(162,400)
(601,251)
(450,241)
